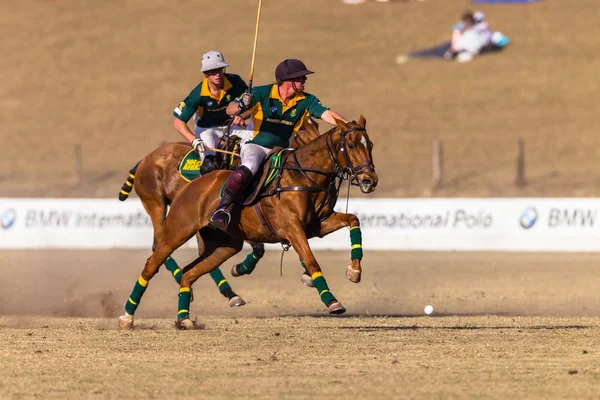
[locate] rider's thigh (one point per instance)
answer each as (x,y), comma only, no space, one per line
(252,156)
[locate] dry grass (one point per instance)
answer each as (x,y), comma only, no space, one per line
(506,326)
(107,74)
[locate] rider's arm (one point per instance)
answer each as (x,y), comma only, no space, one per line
(184,111)
(330,116)
(183,129)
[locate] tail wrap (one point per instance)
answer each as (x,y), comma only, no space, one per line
(128,185)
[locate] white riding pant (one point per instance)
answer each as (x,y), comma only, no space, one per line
(252,156)
(212,136)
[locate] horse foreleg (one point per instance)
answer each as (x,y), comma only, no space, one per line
(214,255)
(337,221)
(299,241)
(247,266)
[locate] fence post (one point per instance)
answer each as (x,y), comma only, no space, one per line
(438,164)
(520,179)
(78,154)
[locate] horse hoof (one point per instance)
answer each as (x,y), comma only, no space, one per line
(307,280)
(126,321)
(335,308)
(353,275)
(235,272)
(236,301)
(184,324)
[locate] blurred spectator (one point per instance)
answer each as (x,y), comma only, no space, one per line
(472,36)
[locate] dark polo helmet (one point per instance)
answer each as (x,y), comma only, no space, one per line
(290,69)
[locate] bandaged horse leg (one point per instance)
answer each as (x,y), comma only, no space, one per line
(337,221)
(222,284)
(172,239)
(247,266)
(300,243)
(305,278)
(211,258)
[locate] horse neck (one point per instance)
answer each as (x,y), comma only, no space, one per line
(316,155)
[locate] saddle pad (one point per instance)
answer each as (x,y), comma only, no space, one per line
(265,175)
(189,167)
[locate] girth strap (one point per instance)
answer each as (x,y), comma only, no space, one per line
(263,219)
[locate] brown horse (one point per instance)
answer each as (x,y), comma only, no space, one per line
(296,206)
(156,180)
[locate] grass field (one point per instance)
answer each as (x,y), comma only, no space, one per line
(505,325)
(108,74)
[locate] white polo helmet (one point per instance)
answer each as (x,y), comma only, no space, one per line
(213,60)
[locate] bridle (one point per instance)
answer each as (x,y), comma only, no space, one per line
(336,175)
(350,172)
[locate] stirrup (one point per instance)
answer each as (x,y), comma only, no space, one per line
(220,219)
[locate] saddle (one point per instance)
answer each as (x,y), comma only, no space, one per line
(264,176)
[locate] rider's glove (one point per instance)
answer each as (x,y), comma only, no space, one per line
(198,145)
(245,101)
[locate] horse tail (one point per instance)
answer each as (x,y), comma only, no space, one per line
(128,185)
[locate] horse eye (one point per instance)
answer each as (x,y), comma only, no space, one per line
(351,146)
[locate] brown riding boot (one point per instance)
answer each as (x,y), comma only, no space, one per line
(233,192)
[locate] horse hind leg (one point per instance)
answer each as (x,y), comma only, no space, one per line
(225,289)
(177,232)
(216,252)
(247,266)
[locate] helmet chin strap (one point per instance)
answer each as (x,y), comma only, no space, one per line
(296,89)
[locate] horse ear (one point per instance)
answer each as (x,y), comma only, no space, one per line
(311,126)
(362,121)
(341,124)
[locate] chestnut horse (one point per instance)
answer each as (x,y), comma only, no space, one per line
(297,205)
(156,180)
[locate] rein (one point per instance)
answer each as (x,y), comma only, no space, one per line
(335,176)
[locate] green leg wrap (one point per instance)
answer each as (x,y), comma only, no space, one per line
(322,288)
(356,241)
(136,295)
(184,303)
(172,267)
(219,279)
(248,265)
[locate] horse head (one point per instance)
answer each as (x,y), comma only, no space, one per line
(354,154)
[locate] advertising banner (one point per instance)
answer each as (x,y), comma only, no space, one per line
(508,224)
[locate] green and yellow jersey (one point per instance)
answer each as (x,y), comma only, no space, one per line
(210,109)
(273,122)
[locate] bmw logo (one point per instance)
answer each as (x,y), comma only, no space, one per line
(8,217)
(528,217)
(274,110)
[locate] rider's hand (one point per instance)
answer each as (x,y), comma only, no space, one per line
(246,100)
(198,145)
(237,120)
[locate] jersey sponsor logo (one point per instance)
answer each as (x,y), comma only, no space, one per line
(228,97)
(293,113)
(210,103)
(279,121)
(273,109)
(177,111)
